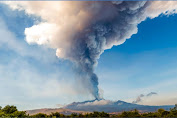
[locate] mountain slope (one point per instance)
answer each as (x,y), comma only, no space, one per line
(99,105)
(108,106)
(49,111)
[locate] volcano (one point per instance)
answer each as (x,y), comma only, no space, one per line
(110,106)
(99,105)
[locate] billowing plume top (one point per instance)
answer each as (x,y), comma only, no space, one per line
(80,31)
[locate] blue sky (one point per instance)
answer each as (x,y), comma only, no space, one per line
(143,61)
(33,77)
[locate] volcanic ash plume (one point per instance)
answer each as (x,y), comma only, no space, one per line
(141,96)
(80,31)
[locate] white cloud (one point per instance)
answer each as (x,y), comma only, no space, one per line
(23,82)
(162,7)
(97,102)
(9,42)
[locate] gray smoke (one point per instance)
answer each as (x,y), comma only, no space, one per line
(151,93)
(139,98)
(112,23)
(82,30)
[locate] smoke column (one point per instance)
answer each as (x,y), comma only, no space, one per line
(80,31)
(141,96)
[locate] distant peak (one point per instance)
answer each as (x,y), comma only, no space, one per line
(98,99)
(121,101)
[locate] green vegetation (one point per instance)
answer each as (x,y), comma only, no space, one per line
(12,111)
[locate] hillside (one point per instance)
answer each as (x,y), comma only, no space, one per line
(109,107)
(99,105)
(49,110)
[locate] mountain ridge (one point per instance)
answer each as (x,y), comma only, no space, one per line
(110,106)
(99,105)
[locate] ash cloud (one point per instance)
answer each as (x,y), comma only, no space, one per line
(138,99)
(141,96)
(151,93)
(80,31)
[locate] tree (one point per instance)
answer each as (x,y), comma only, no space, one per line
(133,113)
(80,115)
(173,112)
(124,114)
(175,106)
(9,109)
(2,114)
(56,114)
(165,114)
(39,115)
(73,115)
(103,114)
(20,114)
(160,111)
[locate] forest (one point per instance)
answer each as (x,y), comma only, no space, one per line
(12,111)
